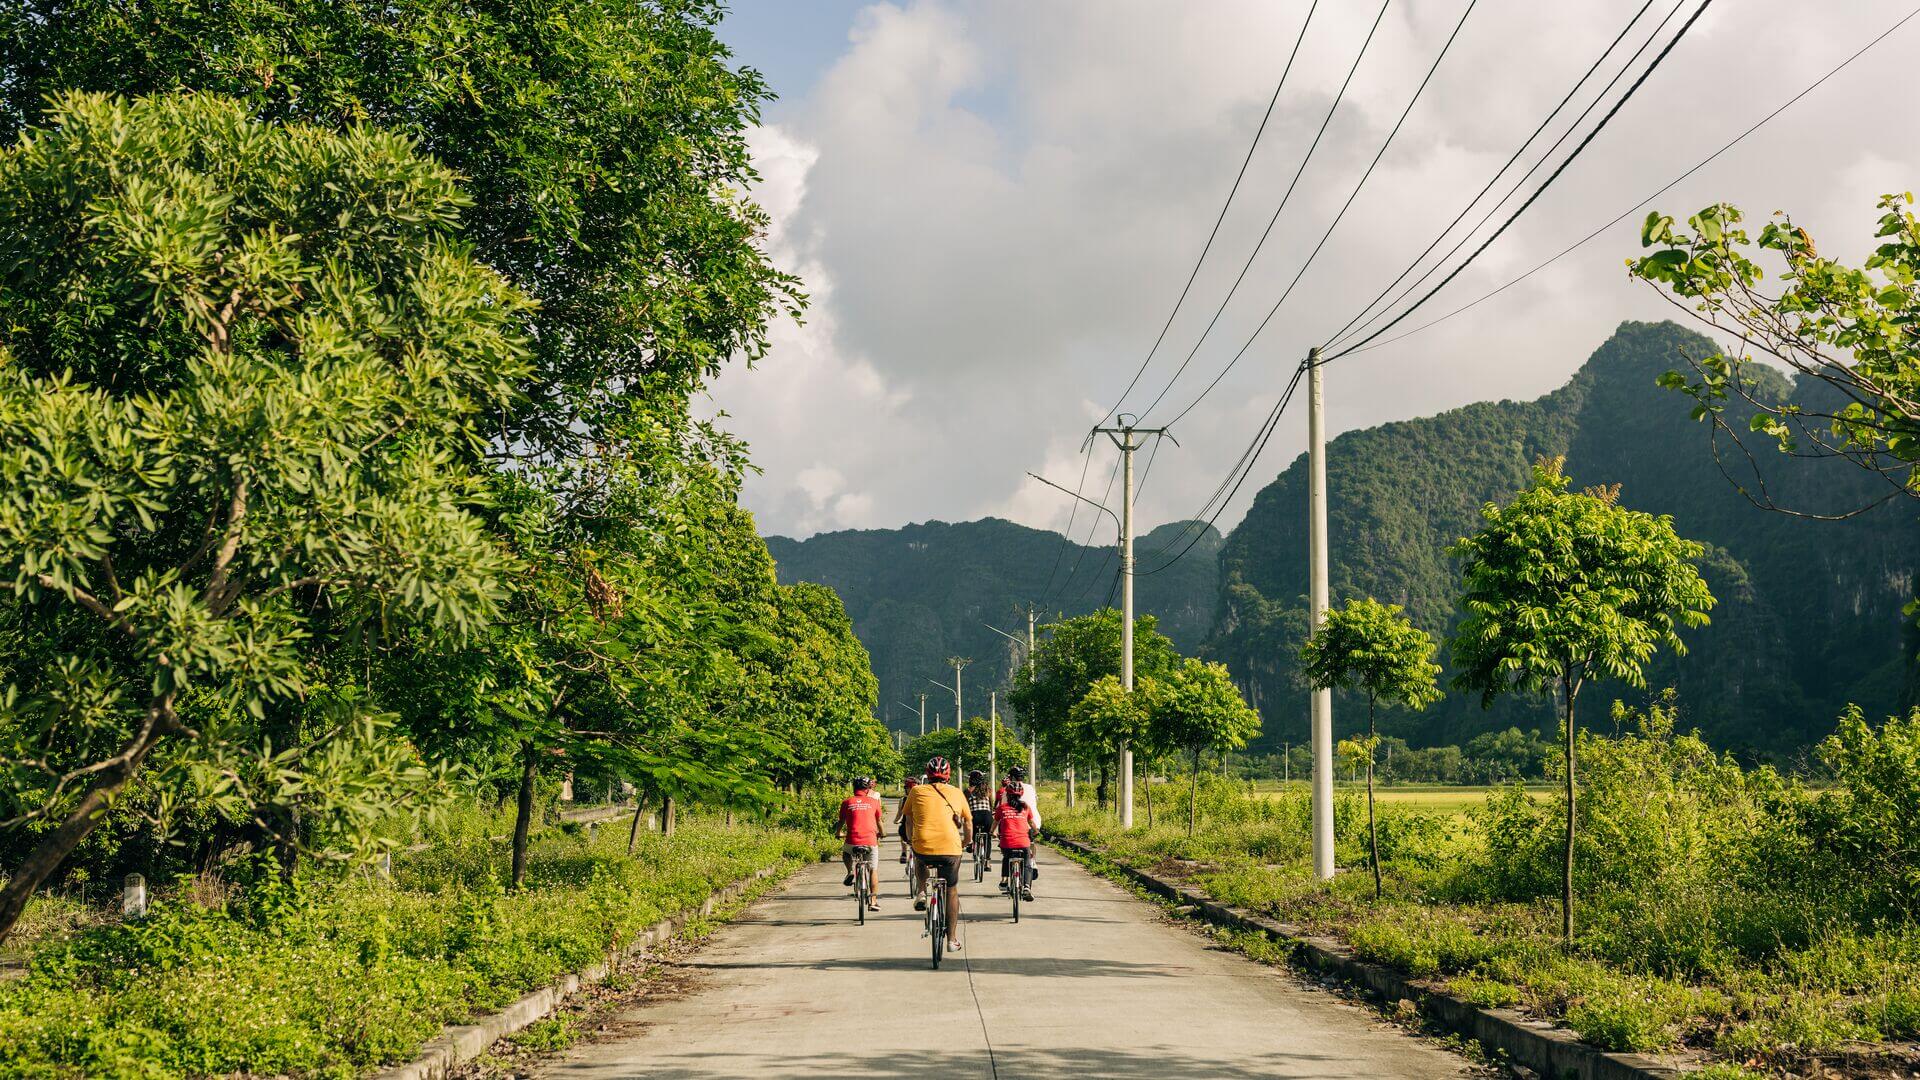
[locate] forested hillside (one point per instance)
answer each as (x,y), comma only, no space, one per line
(922,593)
(1810,611)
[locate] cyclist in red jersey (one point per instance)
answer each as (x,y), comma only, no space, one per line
(1017,823)
(860,829)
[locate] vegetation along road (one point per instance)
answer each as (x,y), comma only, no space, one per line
(1090,982)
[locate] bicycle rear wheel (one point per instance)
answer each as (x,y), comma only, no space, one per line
(860,875)
(937,924)
(1014,879)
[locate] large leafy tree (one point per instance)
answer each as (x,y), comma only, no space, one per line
(1195,708)
(1854,329)
(1374,648)
(1563,587)
(603,141)
(1068,659)
(244,362)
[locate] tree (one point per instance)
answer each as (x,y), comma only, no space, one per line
(1106,716)
(1072,655)
(1373,647)
(1850,328)
(965,746)
(1562,587)
(1195,707)
(604,140)
(246,361)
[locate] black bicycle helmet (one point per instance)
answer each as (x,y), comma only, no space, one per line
(863,783)
(976,777)
(1016,772)
(938,769)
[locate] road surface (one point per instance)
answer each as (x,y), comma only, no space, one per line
(1089,983)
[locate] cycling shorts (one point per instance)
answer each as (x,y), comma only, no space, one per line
(862,851)
(947,866)
(983,821)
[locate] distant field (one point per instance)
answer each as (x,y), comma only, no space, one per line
(1435,798)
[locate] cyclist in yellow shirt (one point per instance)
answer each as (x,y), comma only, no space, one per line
(938,819)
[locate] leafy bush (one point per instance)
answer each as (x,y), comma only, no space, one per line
(1725,906)
(328,977)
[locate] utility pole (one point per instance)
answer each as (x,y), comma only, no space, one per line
(1124,438)
(923,715)
(1320,701)
(959,712)
(993,740)
(1033,737)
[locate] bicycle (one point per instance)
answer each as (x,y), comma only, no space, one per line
(982,854)
(1023,883)
(937,915)
(863,883)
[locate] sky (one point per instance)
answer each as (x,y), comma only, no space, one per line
(995,205)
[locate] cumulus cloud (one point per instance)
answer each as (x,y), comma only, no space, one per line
(994,205)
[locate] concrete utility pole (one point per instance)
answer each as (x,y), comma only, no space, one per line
(959,711)
(1033,739)
(1124,438)
(1321,701)
(993,740)
(923,714)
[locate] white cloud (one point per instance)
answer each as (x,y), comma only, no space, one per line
(994,204)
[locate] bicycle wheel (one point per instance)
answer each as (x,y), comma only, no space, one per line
(1015,879)
(937,923)
(979,857)
(860,873)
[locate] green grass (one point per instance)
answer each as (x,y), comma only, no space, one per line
(337,976)
(1427,798)
(1703,960)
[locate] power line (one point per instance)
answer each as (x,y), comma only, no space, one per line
(1328,235)
(1287,195)
(1221,217)
(1243,469)
(1502,171)
(1073,511)
(1571,158)
(1520,183)
(1668,186)
(1081,555)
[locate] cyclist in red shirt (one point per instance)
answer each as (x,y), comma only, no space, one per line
(1017,824)
(860,828)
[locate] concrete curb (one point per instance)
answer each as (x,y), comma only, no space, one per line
(458,1043)
(1545,1048)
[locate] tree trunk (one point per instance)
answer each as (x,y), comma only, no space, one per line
(1193,793)
(1566,880)
(667,809)
(1146,785)
(1100,788)
(633,831)
(55,846)
(1373,828)
(1071,793)
(523,816)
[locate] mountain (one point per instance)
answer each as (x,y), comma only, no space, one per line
(1810,611)
(922,593)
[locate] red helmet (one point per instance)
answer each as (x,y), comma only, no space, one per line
(912,780)
(937,768)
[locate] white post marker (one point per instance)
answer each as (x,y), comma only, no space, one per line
(133,897)
(1320,701)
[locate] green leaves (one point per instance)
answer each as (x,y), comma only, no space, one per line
(1373,647)
(1849,328)
(232,414)
(1570,584)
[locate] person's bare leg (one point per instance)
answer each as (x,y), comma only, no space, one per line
(953,916)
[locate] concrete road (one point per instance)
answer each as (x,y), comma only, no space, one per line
(1089,983)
